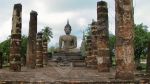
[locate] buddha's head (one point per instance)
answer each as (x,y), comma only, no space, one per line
(67,28)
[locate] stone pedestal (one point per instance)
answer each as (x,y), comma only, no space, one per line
(73,59)
(103,58)
(39,50)
(124,39)
(67,56)
(15,44)
(31,46)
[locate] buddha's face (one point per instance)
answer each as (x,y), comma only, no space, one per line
(67,30)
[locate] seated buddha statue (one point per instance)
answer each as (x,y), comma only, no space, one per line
(67,43)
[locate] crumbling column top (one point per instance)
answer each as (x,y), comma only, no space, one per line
(18,5)
(102,3)
(33,12)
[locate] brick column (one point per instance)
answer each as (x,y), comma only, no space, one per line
(90,59)
(39,50)
(15,44)
(45,52)
(124,39)
(31,46)
(103,58)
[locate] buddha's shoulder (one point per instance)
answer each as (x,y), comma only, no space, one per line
(62,36)
(67,36)
(73,36)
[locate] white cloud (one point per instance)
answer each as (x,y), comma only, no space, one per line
(82,22)
(5,30)
(79,18)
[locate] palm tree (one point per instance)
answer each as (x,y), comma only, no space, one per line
(47,33)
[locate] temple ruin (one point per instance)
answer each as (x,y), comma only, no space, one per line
(31,46)
(15,44)
(124,51)
(39,51)
(103,58)
(67,65)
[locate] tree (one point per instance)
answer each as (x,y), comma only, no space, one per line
(23,48)
(47,33)
(148,59)
(5,45)
(4,48)
(87,32)
(112,40)
(140,42)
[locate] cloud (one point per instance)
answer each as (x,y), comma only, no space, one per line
(55,13)
(141,12)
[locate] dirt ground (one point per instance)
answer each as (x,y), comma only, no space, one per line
(54,72)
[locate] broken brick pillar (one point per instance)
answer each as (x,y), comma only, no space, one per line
(39,51)
(92,40)
(90,59)
(15,44)
(103,58)
(1,60)
(31,46)
(124,50)
(45,52)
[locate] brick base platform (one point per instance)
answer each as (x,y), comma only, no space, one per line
(56,74)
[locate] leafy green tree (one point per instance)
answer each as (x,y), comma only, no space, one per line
(112,40)
(140,42)
(4,48)
(47,33)
(148,55)
(23,48)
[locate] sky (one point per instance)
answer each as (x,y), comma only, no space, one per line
(54,13)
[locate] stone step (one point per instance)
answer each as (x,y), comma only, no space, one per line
(78,63)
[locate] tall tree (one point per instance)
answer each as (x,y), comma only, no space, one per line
(140,42)
(112,40)
(5,45)
(148,55)
(47,33)
(4,48)
(23,49)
